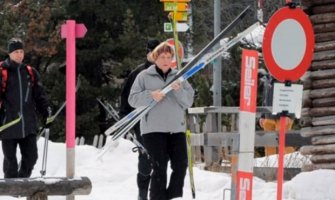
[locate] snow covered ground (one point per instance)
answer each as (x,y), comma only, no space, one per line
(114,177)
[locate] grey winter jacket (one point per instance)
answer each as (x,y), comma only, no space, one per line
(168,115)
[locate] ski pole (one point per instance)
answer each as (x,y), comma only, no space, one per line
(45,152)
(53,117)
(190,161)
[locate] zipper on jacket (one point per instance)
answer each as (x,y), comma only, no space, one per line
(27,93)
(21,100)
(5,118)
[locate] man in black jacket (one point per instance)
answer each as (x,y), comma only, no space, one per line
(23,95)
(144,167)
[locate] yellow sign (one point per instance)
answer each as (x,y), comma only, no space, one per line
(176,1)
(180,16)
(171,6)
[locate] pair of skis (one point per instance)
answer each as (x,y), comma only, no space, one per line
(198,62)
(116,117)
(129,136)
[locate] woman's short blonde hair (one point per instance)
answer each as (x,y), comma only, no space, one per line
(163,47)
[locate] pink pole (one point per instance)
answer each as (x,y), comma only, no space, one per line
(70,83)
(280,173)
(70,31)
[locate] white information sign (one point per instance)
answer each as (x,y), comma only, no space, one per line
(181,27)
(287,98)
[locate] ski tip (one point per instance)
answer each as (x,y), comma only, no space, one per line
(108,132)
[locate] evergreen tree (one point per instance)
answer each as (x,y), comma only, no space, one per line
(113,46)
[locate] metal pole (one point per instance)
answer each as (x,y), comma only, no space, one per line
(217,72)
(217,77)
(189,37)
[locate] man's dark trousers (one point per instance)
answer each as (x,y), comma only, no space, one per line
(28,148)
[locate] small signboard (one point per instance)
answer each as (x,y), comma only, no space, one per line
(180,16)
(287,98)
(181,27)
(171,6)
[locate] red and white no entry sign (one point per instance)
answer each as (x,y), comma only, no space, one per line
(180,51)
(288,44)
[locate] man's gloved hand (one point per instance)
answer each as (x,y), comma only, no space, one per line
(48,120)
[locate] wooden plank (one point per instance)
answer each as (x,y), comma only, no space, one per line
(322,93)
(323,83)
(324,102)
(316,2)
(327,158)
(324,46)
(325,139)
(312,167)
(322,18)
(325,55)
(315,131)
(322,111)
(323,74)
(323,64)
(322,121)
(262,138)
(211,152)
(324,37)
(27,187)
(319,149)
(305,112)
(224,109)
(323,28)
(323,9)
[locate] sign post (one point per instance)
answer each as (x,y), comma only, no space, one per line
(247,115)
(288,46)
(70,31)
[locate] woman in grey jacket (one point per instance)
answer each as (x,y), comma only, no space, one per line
(163,128)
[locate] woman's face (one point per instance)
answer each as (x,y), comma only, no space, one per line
(163,61)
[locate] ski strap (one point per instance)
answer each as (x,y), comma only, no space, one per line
(11,123)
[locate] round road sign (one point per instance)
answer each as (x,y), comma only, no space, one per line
(288,44)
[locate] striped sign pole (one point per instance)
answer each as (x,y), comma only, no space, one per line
(248,96)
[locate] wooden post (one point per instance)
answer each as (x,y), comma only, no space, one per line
(40,188)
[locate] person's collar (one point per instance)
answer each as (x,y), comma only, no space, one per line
(14,64)
(161,73)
